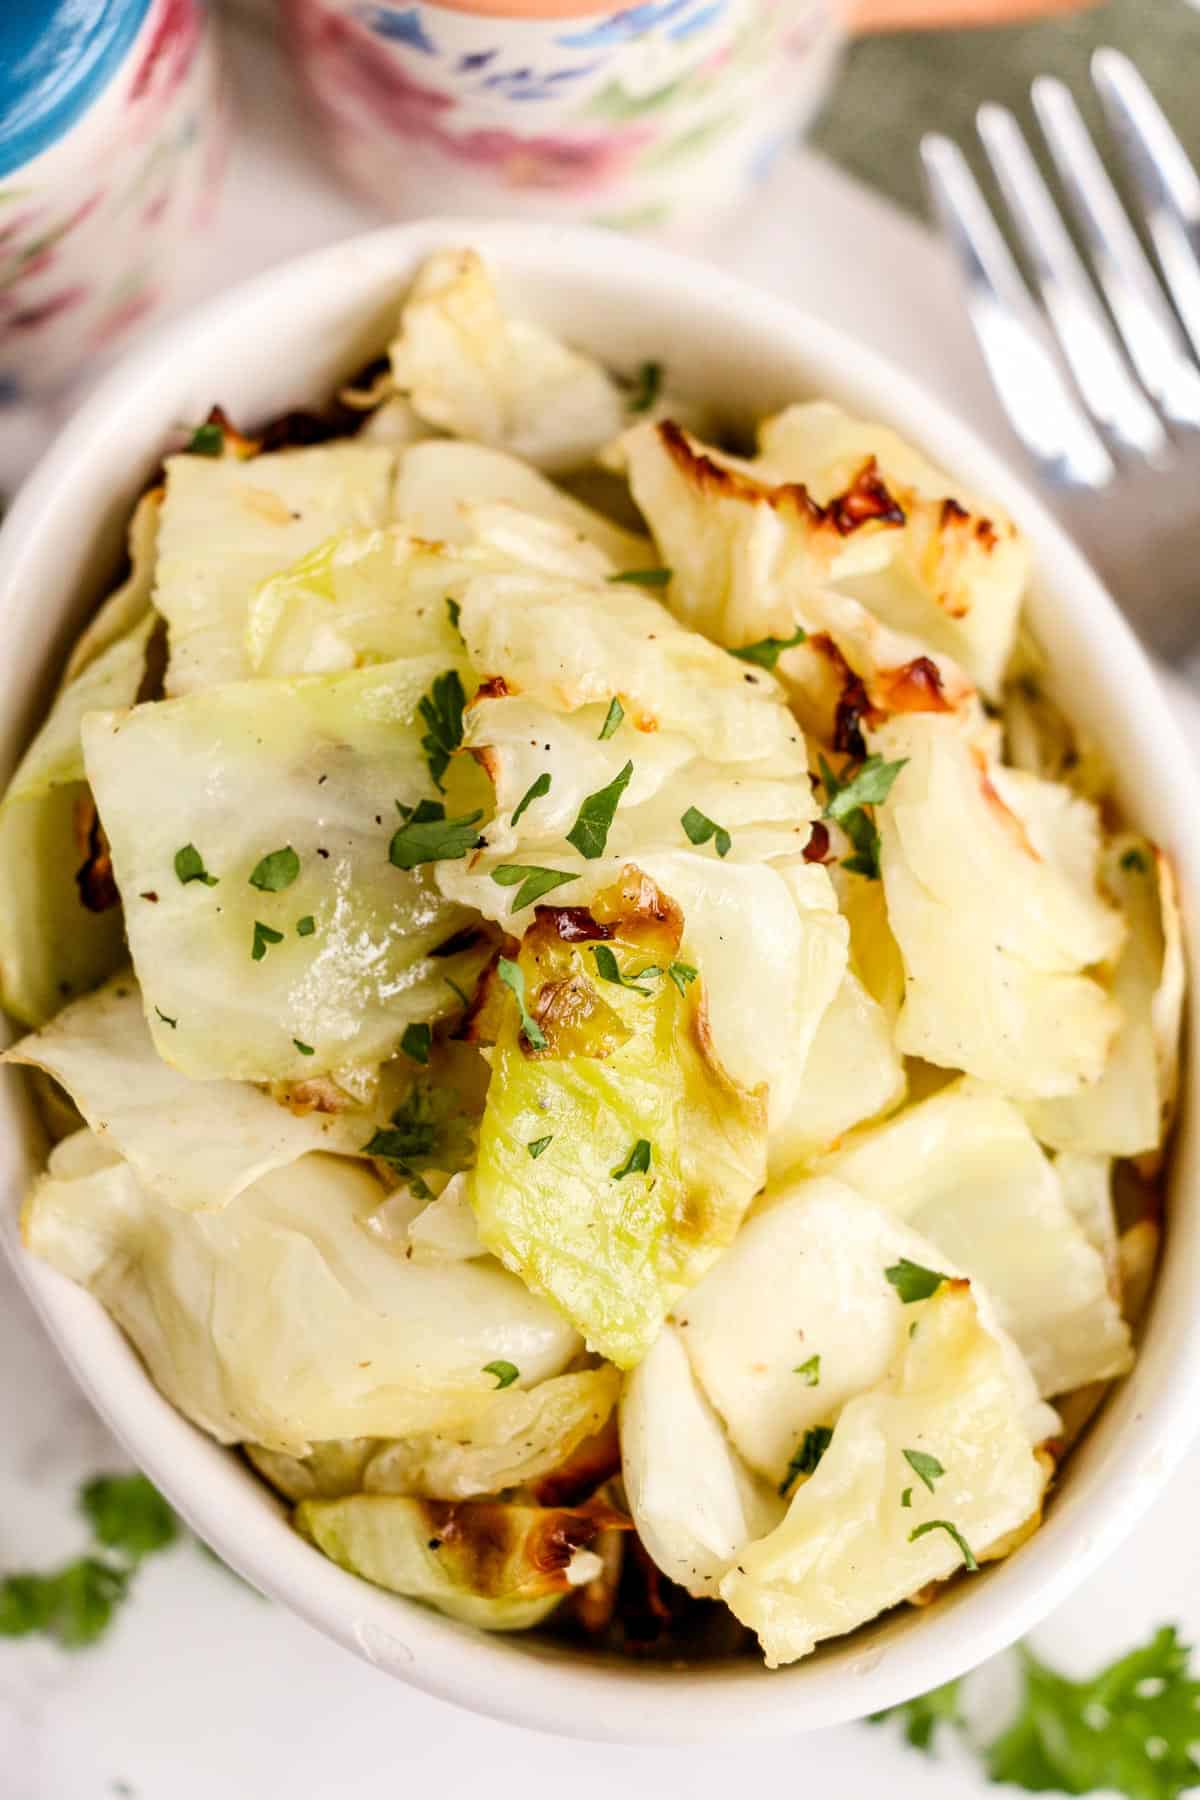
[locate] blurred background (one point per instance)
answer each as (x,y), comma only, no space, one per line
(154,153)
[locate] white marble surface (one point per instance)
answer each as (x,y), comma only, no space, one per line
(205,1692)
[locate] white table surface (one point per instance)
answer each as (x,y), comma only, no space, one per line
(203,1691)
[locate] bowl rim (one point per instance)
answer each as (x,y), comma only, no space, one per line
(525,1681)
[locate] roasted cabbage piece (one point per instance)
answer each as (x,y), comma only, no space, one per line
(755,560)
(957,567)
(442,485)
(360,597)
(922,1476)
(654,1153)
(474,370)
(128,604)
(227,524)
(523,1434)
(852,1072)
(694,1501)
(499,1565)
(322,957)
(283,1319)
(194,1144)
(1127,1111)
(964,1170)
(60,927)
(992,896)
(800,1315)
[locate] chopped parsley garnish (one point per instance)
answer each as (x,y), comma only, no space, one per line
(505,1372)
(682,974)
(813,1446)
(912,1282)
(612,718)
(513,977)
(700,828)
(427,835)
(1134,861)
(304,1049)
(651,578)
(173,1023)
(906,1497)
(417,1042)
(537,1145)
(442,710)
(609,969)
(427,1131)
(926,1466)
(306,926)
(589,833)
(767,651)
(263,935)
(454,614)
(206,440)
(811,1371)
(459,993)
(276,871)
(189,866)
(636,1163)
(646,388)
(845,804)
(534,881)
(533,792)
(968,1555)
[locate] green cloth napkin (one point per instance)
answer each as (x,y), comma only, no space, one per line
(893,88)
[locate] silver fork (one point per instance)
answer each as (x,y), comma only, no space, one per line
(1126,480)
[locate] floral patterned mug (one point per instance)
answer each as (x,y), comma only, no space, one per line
(655,116)
(111,133)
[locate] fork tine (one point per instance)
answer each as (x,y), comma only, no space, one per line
(1026,377)
(1166,180)
(1085,336)
(1151,332)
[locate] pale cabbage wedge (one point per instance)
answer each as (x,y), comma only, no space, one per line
(1087,1183)
(874,953)
(126,607)
(654,1152)
(282,1320)
(964,1170)
(958,567)
(848,1548)
(753,559)
(228,523)
(53,947)
(523,1435)
(473,370)
(852,1073)
(998,916)
(445,1230)
(316,764)
(799,1316)
(361,597)
(441,486)
(499,1566)
(195,1144)
(693,1500)
(1127,1111)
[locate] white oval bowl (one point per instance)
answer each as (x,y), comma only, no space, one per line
(286,339)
